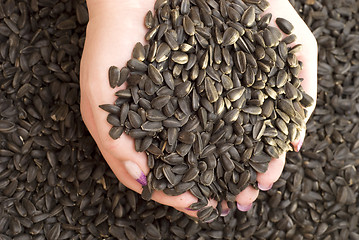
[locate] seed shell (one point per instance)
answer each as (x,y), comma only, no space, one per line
(230,36)
(284,25)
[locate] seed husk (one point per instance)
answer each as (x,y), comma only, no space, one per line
(155,75)
(149,20)
(171,41)
(197,205)
(160,101)
(231,116)
(211,91)
(284,25)
(162,53)
(287,106)
(139,52)
(188,25)
(248,17)
(307,100)
(150,126)
(230,36)
(252,110)
(183,89)
(241,61)
(114,76)
(205,212)
(191,174)
(179,57)
(235,93)
(207,177)
(136,65)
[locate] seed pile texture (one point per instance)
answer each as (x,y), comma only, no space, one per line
(54,183)
(212,97)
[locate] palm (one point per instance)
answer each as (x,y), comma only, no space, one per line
(110,39)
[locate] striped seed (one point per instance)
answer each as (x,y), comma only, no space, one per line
(248,17)
(284,25)
(114,76)
(179,57)
(230,36)
(211,91)
(188,25)
(138,52)
(149,20)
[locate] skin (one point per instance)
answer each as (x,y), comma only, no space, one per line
(113,29)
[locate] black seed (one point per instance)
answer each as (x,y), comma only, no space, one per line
(149,20)
(284,25)
(248,17)
(160,101)
(150,126)
(230,36)
(207,177)
(139,52)
(136,65)
(155,75)
(205,212)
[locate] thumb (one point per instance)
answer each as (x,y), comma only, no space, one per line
(121,152)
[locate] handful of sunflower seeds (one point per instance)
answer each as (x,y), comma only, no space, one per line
(211,99)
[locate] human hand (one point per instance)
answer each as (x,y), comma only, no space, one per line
(114,28)
(308,56)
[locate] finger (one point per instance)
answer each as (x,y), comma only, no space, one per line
(121,149)
(246,198)
(297,144)
(275,167)
(125,176)
(181,201)
(225,209)
(193,213)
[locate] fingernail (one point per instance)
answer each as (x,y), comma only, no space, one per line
(244,208)
(225,212)
(265,188)
(135,171)
(299,146)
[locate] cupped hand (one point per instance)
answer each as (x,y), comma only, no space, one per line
(114,28)
(308,56)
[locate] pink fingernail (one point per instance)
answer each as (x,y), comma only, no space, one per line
(142,179)
(265,188)
(299,146)
(244,208)
(225,212)
(135,171)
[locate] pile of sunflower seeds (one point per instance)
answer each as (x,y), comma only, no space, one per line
(211,99)
(54,183)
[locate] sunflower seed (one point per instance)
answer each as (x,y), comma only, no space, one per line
(284,25)
(248,17)
(139,52)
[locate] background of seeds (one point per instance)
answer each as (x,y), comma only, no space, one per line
(54,183)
